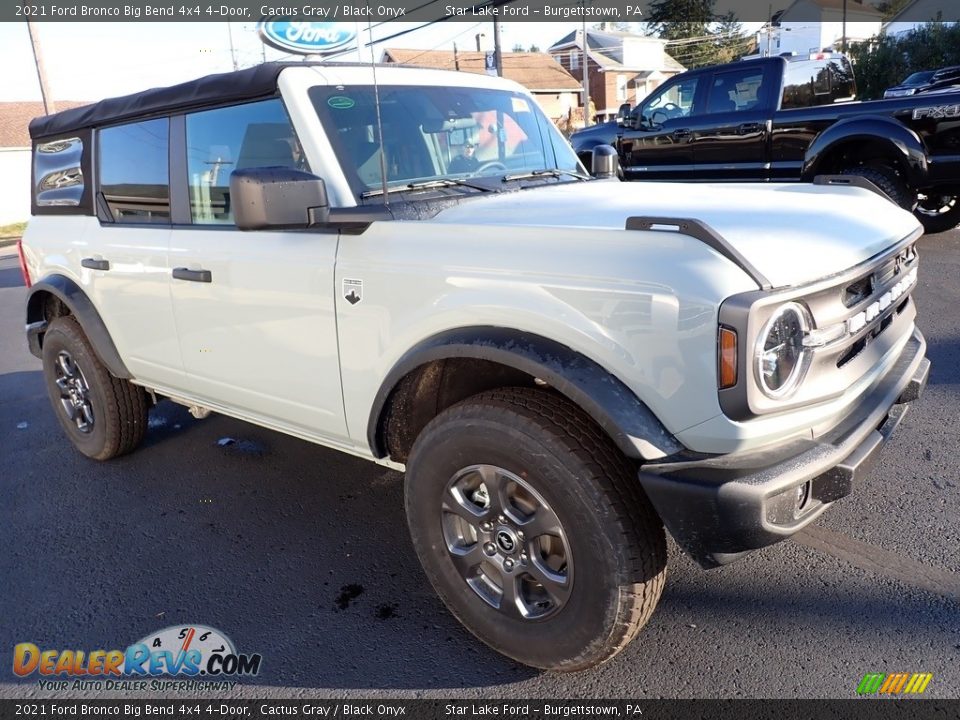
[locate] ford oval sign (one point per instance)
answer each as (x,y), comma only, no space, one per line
(307,38)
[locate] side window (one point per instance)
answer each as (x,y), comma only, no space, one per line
(673,100)
(134,174)
(57,173)
(233,138)
(844,86)
(821,82)
(735,91)
(798,85)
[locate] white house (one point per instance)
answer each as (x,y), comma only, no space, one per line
(811,25)
(919,13)
(623,67)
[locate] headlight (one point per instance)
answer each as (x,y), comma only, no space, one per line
(781,359)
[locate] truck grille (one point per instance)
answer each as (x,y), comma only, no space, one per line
(870,306)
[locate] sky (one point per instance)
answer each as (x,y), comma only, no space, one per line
(91,61)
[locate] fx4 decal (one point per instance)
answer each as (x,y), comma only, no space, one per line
(937,112)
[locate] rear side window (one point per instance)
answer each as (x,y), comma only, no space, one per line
(57,173)
(134,173)
(797,86)
(817,82)
(220,141)
(842,79)
(735,90)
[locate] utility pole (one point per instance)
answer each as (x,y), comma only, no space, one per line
(456,58)
(478,36)
(586,79)
(497,54)
(233,52)
(843,40)
(48,104)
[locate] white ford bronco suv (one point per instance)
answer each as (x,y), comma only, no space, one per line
(412,266)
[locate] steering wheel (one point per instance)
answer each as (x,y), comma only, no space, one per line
(492,165)
(662,119)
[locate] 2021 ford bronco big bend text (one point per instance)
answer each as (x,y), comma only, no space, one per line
(562,365)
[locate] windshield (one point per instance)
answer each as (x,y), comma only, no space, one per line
(918,78)
(436,133)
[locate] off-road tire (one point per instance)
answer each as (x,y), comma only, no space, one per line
(119,407)
(887,180)
(616,539)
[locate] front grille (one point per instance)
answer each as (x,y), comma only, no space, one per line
(860,290)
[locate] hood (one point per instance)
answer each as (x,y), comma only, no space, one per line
(792,233)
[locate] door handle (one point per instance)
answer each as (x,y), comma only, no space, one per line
(192,275)
(747,128)
(682,133)
(92,264)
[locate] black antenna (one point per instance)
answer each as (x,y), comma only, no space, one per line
(376,100)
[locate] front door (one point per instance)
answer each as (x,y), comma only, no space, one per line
(659,147)
(254,310)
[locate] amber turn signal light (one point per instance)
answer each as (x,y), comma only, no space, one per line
(727,358)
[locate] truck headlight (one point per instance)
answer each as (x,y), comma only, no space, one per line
(781,358)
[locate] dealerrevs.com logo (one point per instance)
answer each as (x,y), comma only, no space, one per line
(899,683)
(189,651)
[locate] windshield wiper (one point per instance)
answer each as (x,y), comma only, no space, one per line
(427,185)
(552,172)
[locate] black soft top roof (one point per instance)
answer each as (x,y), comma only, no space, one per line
(256,82)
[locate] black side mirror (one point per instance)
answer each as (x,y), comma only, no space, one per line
(623,114)
(605,162)
(277,198)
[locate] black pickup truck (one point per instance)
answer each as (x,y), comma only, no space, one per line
(790,118)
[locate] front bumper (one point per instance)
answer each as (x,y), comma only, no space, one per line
(722,507)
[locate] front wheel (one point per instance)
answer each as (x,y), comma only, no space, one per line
(888,181)
(938,213)
(533,528)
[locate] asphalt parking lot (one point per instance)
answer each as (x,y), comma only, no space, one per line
(302,554)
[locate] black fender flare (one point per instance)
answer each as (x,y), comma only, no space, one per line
(73,296)
(618,411)
(904,144)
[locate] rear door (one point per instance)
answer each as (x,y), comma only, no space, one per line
(730,138)
(126,259)
(255,310)
(659,148)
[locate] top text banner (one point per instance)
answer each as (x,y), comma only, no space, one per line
(377,11)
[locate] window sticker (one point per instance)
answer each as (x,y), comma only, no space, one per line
(341,102)
(520,105)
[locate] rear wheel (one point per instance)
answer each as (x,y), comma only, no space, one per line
(102,415)
(938,213)
(533,528)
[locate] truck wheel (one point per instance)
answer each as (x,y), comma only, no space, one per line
(938,213)
(887,180)
(533,528)
(102,415)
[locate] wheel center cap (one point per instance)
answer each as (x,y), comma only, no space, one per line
(507,540)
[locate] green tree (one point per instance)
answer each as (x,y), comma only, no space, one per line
(696,35)
(884,61)
(892,7)
(517,47)
(731,42)
(534,48)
